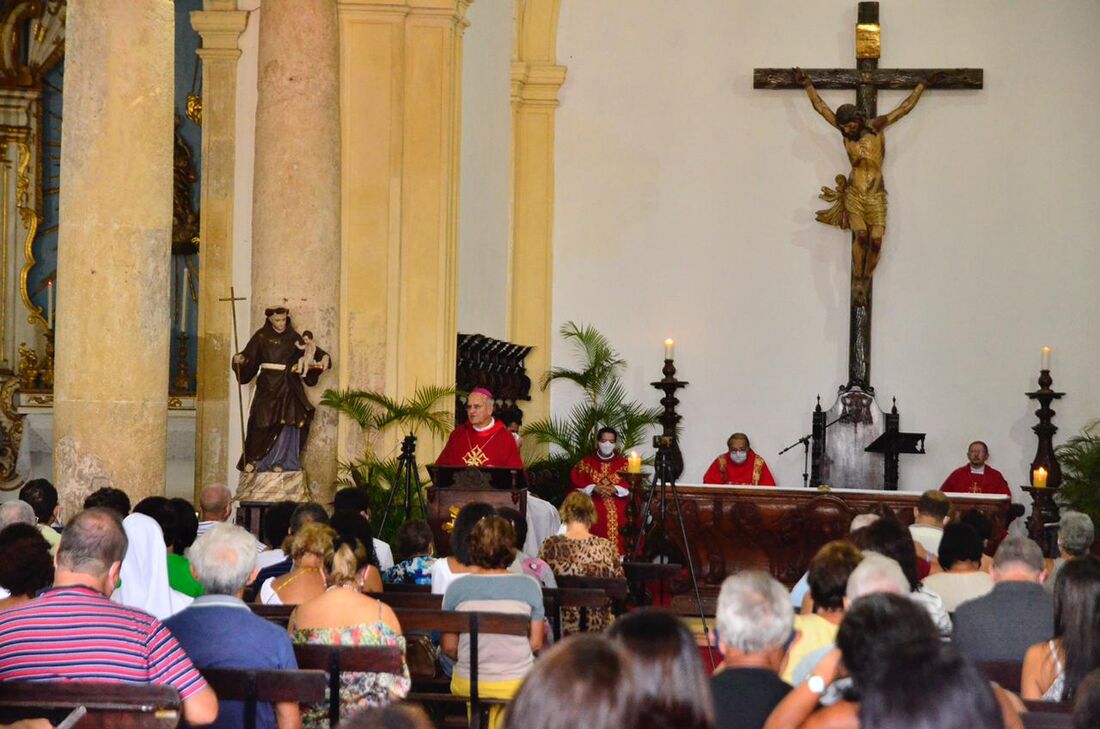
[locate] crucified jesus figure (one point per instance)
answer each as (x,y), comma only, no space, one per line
(859,201)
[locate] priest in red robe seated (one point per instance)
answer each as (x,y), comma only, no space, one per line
(739,466)
(598,476)
(482,440)
(976,477)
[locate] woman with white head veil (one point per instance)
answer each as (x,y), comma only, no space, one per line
(144,574)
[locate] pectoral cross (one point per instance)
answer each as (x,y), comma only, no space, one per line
(866,79)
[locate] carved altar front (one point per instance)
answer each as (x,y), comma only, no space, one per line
(731,528)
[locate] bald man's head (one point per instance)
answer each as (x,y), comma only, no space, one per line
(215,502)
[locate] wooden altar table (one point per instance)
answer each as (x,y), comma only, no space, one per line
(780,529)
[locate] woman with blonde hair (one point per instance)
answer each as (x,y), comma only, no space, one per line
(309,549)
(343,615)
(580,553)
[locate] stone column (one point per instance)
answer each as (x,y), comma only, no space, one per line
(536,80)
(296,203)
(111,382)
(220,26)
(401,71)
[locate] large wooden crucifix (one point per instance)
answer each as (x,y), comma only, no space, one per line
(859,200)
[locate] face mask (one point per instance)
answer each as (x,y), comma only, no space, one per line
(518,437)
(739,456)
(606,448)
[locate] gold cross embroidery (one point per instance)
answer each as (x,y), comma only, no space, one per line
(475,457)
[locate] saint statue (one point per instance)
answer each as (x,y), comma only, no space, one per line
(283,363)
(859,201)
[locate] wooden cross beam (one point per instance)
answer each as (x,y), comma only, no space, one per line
(866,79)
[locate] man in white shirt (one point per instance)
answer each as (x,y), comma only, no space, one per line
(929,517)
(215,505)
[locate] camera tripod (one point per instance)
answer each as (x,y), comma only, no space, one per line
(407,478)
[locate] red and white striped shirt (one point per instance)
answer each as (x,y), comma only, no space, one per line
(77,634)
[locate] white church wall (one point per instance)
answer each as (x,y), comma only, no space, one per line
(685,199)
(484,176)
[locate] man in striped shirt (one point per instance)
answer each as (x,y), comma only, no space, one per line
(74,631)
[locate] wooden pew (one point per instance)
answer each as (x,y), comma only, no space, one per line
(615,590)
(265,686)
(1004,673)
(336,659)
(554,600)
(1047,720)
(109,705)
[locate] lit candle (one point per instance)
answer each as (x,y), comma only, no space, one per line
(49,304)
(1039,478)
(670,349)
(1045,359)
(633,463)
(183,300)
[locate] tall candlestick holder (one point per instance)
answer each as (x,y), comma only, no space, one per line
(1045,430)
(181,384)
(670,419)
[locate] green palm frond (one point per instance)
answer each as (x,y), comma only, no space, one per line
(1079,458)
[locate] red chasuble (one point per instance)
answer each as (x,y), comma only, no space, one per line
(610,510)
(753,472)
(493,447)
(962,481)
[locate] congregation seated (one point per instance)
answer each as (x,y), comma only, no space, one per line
(274,531)
(354,526)
(354,500)
(307,513)
(503,660)
(930,516)
(668,672)
(800,593)
(1076,533)
(829,572)
(42,497)
(753,625)
(960,557)
(343,615)
(579,553)
(447,570)
(215,506)
(739,465)
(524,563)
(981,631)
(219,631)
(15,512)
(144,572)
(416,555)
(1053,669)
(26,566)
(47,639)
(309,549)
(165,514)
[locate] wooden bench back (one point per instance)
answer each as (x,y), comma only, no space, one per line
(1004,673)
(265,686)
(337,659)
(109,705)
(1047,720)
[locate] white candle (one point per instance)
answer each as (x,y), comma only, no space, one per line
(49,304)
(1045,363)
(670,349)
(183,300)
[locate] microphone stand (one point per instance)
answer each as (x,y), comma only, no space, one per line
(804,441)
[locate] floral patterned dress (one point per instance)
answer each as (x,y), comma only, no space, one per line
(413,571)
(590,557)
(357,690)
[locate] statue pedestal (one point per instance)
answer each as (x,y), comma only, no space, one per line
(272,486)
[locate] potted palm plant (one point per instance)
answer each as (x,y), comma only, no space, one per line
(603,402)
(426,411)
(1079,458)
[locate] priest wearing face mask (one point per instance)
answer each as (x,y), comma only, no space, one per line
(598,476)
(739,465)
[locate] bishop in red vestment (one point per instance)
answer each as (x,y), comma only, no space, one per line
(482,440)
(976,477)
(598,476)
(739,466)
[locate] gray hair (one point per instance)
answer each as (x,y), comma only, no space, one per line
(876,573)
(1075,533)
(223,559)
(17,512)
(1020,551)
(93,540)
(754,612)
(215,498)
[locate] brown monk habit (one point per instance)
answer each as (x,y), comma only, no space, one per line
(279,399)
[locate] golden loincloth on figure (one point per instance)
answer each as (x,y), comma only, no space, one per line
(848,203)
